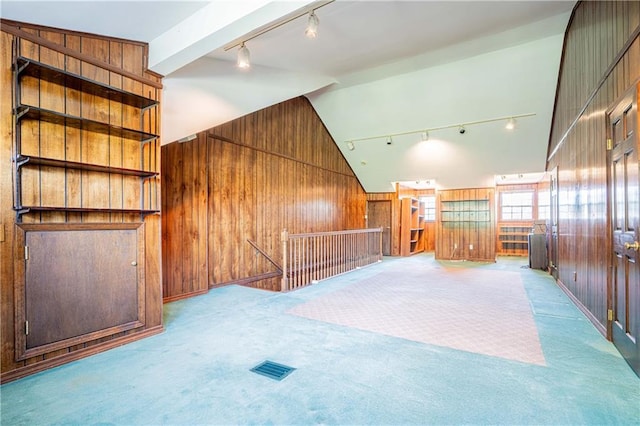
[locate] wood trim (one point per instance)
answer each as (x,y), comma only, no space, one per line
(594,93)
(601,328)
(275,154)
(8,26)
(184,296)
(248,280)
(19,24)
(65,358)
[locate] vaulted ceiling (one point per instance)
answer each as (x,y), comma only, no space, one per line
(377,69)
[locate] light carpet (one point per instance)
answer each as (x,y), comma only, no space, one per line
(475,310)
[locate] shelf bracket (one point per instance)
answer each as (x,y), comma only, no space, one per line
(20,111)
(21,161)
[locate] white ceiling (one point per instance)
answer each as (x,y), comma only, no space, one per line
(377,68)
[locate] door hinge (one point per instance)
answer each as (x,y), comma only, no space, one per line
(609,144)
(26,252)
(610,314)
(26,328)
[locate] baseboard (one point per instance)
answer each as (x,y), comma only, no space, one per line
(184,296)
(49,363)
(601,328)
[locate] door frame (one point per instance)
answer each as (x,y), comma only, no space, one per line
(632,94)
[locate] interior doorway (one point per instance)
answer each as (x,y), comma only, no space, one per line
(379,216)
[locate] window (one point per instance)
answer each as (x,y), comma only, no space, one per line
(429,207)
(544,205)
(516,205)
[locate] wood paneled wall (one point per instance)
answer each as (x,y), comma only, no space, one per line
(114,62)
(455,238)
(251,178)
(601,59)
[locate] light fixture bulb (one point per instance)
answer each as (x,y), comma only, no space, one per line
(244,58)
(511,124)
(312,26)
(425,136)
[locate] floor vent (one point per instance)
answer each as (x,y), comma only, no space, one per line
(273,370)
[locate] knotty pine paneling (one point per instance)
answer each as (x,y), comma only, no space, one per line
(275,169)
(453,238)
(591,79)
(120,64)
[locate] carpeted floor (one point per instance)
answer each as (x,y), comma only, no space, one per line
(427,342)
(483,311)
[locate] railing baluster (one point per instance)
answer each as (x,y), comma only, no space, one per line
(315,256)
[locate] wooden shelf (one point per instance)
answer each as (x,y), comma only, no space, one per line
(412,226)
(34,113)
(28,67)
(513,238)
(30,209)
(50,162)
(91,92)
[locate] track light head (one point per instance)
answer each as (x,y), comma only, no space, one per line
(244,58)
(312,26)
(462,130)
(389,140)
(425,136)
(511,124)
(351,146)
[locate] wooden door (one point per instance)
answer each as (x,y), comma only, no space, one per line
(80,282)
(379,216)
(625,219)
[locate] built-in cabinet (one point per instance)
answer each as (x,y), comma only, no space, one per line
(465,228)
(412,227)
(79,224)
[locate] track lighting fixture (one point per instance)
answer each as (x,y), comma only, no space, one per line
(351,146)
(244,58)
(312,26)
(462,128)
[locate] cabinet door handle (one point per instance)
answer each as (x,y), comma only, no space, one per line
(134,263)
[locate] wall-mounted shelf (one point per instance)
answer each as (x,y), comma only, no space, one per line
(50,162)
(30,209)
(43,105)
(29,68)
(24,112)
(465,211)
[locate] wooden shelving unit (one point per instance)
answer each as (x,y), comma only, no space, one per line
(465,211)
(411,227)
(465,225)
(513,238)
(54,79)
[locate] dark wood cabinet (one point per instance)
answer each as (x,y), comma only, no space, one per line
(76,283)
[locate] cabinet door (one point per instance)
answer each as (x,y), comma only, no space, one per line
(81,282)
